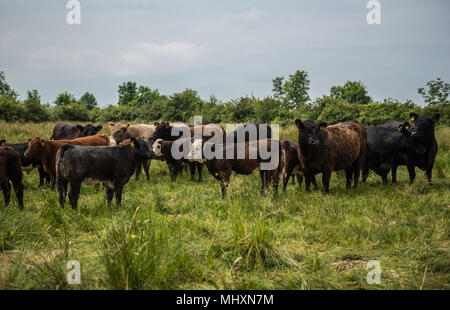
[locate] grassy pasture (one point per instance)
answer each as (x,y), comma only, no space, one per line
(184,236)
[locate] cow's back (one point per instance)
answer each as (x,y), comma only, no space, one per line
(346,142)
(64,131)
(141,130)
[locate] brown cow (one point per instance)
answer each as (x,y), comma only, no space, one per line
(332,148)
(45,150)
(11,170)
(292,161)
(121,132)
(222,169)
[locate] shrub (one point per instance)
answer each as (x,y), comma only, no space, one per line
(10,110)
(71,112)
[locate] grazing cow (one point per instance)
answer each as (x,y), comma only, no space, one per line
(121,132)
(292,161)
(422,132)
(222,169)
(163,148)
(111,165)
(29,164)
(45,151)
(386,147)
(11,170)
(66,131)
(331,148)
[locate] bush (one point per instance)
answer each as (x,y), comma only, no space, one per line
(338,110)
(71,112)
(11,111)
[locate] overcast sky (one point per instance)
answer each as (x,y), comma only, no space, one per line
(229,48)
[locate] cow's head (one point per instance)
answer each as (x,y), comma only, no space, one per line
(88,130)
(35,148)
(310,133)
(422,127)
(119,132)
(162,131)
(141,148)
(413,147)
(196,151)
(157,148)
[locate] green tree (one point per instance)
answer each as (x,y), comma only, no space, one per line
(182,106)
(127,92)
(436,94)
(5,89)
(35,111)
(241,110)
(266,110)
(353,92)
(277,89)
(296,90)
(88,100)
(145,96)
(65,99)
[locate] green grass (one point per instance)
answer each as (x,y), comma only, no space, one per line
(184,236)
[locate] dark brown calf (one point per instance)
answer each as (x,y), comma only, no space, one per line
(332,148)
(222,169)
(11,170)
(45,150)
(292,161)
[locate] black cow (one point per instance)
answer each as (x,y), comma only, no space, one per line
(11,171)
(422,132)
(111,165)
(28,163)
(386,147)
(66,131)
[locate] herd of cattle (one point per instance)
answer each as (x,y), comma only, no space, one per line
(75,154)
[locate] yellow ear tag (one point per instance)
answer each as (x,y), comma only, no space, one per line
(407,127)
(400,129)
(132,143)
(413,119)
(322,128)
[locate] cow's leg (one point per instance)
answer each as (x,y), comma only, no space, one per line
(118,187)
(313,180)
(199,170)
(308,179)
(52,181)
(192,170)
(412,174)
(348,177)
(62,190)
(299,179)
(293,179)
(365,173)
(6,187)
(384,179)
(224,181)
(74,192)
(263,180)
(146,165)
(326,176)
(41,176)
(109,193)
(429,172)
(18,188)
(394,174)
(138,170)
(286,176)
(275,178)
(173,170)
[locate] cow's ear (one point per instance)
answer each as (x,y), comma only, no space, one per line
(111,124)
(323,125)
(401,128)
(436,117)
(407,125)
(156,124)
(2,142)
(80,128)
(128,125)
(298,123)
(167,125)
(98,128)
(413,116)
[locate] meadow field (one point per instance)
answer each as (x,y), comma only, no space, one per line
(184,236)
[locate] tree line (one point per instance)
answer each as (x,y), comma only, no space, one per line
(289,100)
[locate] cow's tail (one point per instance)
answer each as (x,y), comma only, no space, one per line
(60,166)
